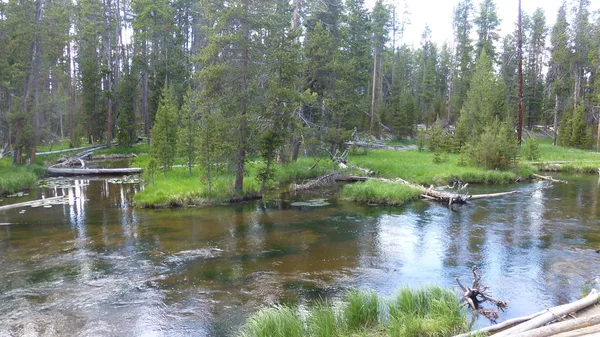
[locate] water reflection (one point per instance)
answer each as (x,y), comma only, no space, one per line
(97,266)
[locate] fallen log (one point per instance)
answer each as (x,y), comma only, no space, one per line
(549,178)
(319,182)
(551,315)
(379,146)
(94,147)
(500,326)
(510,322)
(593,330)
(29,203)
(491,195)
(90,171)
(564,326)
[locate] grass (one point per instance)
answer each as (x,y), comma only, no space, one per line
(418,167)
(584,161)
(380,192)
(178,188)
(431,311)
(275,322)
(18,178)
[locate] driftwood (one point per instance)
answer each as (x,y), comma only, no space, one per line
(325,180)
(88,171)
(491,195)
(477,294)
(511,322)
(551,315)
(549,178)
(379,146)
(65,167)
(564,326)
(29,203)
(500,326)
(91,147)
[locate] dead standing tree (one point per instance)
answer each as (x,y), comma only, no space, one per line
(477,294)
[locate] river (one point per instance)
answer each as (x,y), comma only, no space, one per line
(96,266)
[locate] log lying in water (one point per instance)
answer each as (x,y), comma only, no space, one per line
(91,171)
(564,326)
(551,315)
(521,325)
(29,203)
(549,178)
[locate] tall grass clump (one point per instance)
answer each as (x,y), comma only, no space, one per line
(432,311)
(380,192)
(323,321)
(428,312)
(274,322)
(361,310)
(17,178)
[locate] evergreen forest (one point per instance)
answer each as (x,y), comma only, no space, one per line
(222,82)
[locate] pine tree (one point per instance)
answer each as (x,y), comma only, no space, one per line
(164,132)
(485,100)
(534,82)
(461,23)
(558,66)
(126,97)
(487,23)
(188,132)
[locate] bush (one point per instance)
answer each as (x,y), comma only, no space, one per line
(496,148)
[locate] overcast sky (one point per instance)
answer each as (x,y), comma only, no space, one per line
(438,15)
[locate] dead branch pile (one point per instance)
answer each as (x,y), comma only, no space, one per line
(477,294)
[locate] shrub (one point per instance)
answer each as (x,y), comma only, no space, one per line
(496,148)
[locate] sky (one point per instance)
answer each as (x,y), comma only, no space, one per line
(438,15)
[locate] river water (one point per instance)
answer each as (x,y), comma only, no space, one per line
(98,267)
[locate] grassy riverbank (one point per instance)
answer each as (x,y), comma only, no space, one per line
(419,167)
(564,159)
(380,192)
(431,311)
(18,178)
(178,188)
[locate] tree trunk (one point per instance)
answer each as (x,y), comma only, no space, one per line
(241,154)
(374,89)
(145,114)
(555,133)
(520,77)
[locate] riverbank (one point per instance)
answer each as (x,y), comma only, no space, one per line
(18,178)
(177,187)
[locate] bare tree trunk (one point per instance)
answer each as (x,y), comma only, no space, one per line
(71,98)
(555,131)
(145,114)
(373,91)
(520,78)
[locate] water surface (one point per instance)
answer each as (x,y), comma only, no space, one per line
(98,267)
